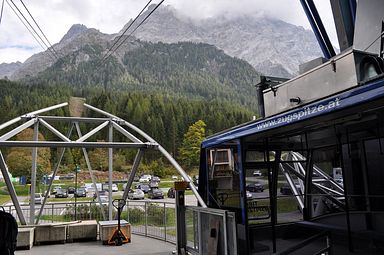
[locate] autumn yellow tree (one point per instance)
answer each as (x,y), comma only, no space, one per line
(19,160)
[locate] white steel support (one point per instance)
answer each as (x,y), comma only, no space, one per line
(126,133)
(56,168)
(110,169)
(85,153)
(92,132)
(160,148)
(135,166)
(53,107)
(33,175)
(11,189)
(17,130)
(54,130)
(54,144)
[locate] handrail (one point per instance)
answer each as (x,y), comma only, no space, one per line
(309,241)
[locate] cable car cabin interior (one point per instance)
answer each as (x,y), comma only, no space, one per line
(307,178)
(323,175)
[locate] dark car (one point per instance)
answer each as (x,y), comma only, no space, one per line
(61,193)
(153,184)
(144,187)
(80,192)
(171,193)
(155,193)
(286,189)
(71,190)
(101,193)
(255,187)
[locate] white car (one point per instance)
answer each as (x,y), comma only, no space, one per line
(38,198)
(135,194)
(257,173)
(145,178)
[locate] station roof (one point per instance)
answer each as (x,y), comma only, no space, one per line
(343,100)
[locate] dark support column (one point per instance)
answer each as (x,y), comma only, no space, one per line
(272,198)
(181,235)
(307,211)
(350,244)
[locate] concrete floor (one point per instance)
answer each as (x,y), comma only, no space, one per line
(139,246)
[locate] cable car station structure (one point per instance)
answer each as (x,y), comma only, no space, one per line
(36,119)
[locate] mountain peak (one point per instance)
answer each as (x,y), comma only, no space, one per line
(73,32)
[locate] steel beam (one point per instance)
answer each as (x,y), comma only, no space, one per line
(17,130)
(55,169)
(33,176)
(73,119)
(125,133)
(92,132)
(160,148)
(10,122)
(85,153)
(11,189)
(54,130)
(135,166)
(110,169)
(32,114)
(54,144)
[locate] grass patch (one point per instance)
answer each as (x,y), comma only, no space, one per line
(4,199)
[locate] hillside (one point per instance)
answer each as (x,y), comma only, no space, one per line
(185,69)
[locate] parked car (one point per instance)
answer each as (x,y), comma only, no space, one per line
(71,190)
(153,184)
(80,192)
(145,178)
(101,193)
(155,193)
(61,193)
(55,189)
(155,179)
(144,187)
(171,193)
(38,198)
(248,194)
(256,173)
(196,180)
(255,187)
(115,188)
(135,194)
(174,177)
(286,189)
(136,178)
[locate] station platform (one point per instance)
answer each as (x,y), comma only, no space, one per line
(139,246)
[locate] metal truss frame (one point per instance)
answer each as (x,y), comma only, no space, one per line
(110,121)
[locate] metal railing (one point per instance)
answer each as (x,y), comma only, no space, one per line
(199,225)
(148,218)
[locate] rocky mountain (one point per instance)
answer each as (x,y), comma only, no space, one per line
(272,46)
(6,70)
(77,37)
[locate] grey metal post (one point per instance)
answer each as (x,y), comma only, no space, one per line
(135,165)
(11,189)
(165,223)
(181,242)
(90,170)
(57,166)
(160,148)
(110,169)
(33,176)
(146,218)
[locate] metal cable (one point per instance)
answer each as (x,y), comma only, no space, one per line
(39,28)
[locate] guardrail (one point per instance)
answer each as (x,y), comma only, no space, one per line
(203,225)
(148,218)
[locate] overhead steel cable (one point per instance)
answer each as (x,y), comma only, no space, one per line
(120,37)
(1,13)
(34,30)
(29,30)
(38,27)
(141,23)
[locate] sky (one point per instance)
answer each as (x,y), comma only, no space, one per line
(55,17)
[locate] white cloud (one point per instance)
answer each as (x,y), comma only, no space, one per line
(56,16)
